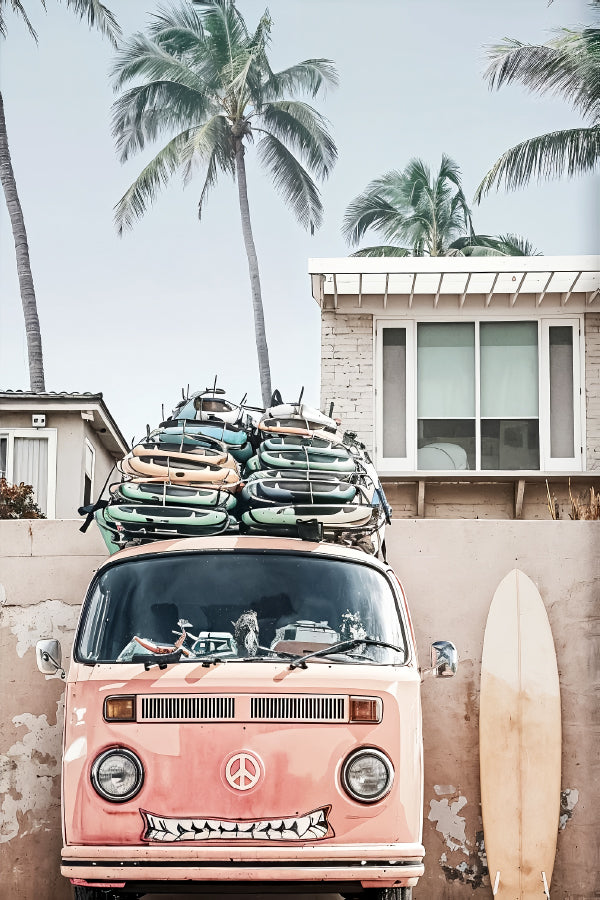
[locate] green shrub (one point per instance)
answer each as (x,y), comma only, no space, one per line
(16,501)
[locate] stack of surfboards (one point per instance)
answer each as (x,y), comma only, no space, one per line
(214,466)
(309,479)
(182,479)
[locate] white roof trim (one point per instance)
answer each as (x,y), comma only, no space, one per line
(549,279)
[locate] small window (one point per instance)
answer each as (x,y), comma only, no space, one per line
(28,455)
(88,474)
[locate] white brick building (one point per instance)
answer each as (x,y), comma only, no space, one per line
(488,367)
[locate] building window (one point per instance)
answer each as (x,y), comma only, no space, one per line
(88,473)
(28,455)
(480,395)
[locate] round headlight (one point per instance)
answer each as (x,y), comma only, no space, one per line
(117,774)
(367,775)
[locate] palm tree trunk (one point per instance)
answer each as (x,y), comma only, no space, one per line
(259,319)
(32,324)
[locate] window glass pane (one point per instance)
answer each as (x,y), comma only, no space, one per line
(87,490)
(510,444)
(3,455)
(562,413)
(446,370)
(394,392)
(446,444)
(89,460)
(509,369)
(31,467)
(282,598)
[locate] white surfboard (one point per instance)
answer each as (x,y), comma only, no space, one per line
(519,742)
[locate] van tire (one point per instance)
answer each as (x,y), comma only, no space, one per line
(93,893)
(400,893)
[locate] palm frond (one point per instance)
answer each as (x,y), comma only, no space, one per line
(18,8)
(181,24)
(227,34)
(568,67)
(292,181)
(303,130)
(98,16)
(369,210)
(308,77)
(490,245)
(516,245)
(574,152)
(135,200)
(383,250)
(143,113)
(208,146)
(212,142)
(141,57)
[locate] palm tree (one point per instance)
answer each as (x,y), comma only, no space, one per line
(428,215)
(100,17)
(203,78)
(568,66)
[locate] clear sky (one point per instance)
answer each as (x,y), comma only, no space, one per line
(169,304)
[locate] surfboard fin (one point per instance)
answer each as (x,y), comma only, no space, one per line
(495,884)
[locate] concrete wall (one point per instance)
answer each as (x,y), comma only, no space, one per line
(450,570)
(45,567)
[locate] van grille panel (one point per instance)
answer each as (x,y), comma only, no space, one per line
(298,709)
(173,708)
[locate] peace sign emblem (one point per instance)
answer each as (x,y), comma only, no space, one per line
(242,771)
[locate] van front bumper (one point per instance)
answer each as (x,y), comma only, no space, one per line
(373,865)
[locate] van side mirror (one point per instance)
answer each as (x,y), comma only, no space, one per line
(49,657)
(444,659)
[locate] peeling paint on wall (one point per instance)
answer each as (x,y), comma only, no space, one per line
(453,827)
(51,618)
(569,799)
(30,774)
(449,823)
(441,789)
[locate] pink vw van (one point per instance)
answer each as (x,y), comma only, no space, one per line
(244,710)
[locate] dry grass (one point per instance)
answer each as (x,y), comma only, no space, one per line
(553,508)
(584,507)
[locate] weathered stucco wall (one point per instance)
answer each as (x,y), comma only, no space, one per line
(45,567)
(450,570)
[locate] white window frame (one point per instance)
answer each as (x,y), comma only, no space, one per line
(391,465)
(87,444)
(47,434)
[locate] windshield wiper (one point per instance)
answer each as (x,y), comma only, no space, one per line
(341,647)
(162,660)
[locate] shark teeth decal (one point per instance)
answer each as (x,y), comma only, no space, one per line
(313,826)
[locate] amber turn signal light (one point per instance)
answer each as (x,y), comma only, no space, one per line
(365,709)
(119,709)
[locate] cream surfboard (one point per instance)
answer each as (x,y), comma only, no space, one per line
(519,742)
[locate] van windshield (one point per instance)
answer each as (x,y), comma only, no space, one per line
(239,606)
